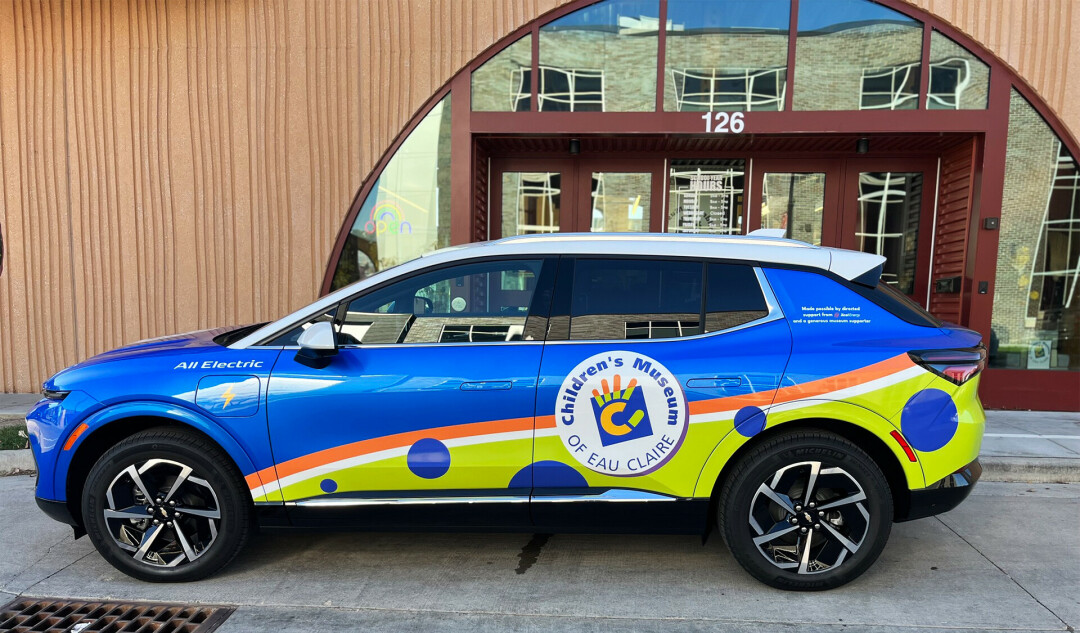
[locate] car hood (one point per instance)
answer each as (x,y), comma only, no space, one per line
(163,344)
(197,342)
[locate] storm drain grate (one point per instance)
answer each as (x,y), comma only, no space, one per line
(44,614)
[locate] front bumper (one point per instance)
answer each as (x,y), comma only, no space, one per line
(57,510)
(940,497)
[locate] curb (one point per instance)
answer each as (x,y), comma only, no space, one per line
(1031,470)
(11,419)
(17,462)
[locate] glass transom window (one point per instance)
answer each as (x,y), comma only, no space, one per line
(601,58)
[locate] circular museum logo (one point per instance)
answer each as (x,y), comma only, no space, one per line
(621,413)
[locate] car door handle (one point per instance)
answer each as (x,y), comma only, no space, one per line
(714,383)
(487,385)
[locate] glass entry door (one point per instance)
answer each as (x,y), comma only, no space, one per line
(888,210)
(619,195)
(530,196)
(800,196)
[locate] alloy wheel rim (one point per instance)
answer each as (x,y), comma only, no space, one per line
(162,513)
(809,517)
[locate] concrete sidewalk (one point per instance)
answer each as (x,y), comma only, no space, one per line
(14,407)
(1021,446)
(1031,446)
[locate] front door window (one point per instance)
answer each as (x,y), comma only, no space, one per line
(485,302)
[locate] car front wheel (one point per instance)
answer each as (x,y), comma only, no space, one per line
(806,510)
(166,505)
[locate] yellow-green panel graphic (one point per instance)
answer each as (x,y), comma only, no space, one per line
(942,423)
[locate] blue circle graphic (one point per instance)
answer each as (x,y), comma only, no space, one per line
(929,420)
(548,474)
(428,458)
(749,421)
(328,485)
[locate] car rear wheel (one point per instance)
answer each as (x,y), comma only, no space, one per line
(806,510)
(166,505)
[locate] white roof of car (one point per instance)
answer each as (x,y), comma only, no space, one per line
(758,247)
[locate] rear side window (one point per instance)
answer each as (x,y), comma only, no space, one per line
(898,303)
(733,297)
(635,299)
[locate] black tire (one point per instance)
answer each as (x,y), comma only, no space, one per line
(213,486)
(805,544)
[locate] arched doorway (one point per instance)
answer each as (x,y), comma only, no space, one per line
(851,123)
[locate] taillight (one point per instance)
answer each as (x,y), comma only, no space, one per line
(955,365)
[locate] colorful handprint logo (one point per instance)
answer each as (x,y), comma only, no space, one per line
(621,414)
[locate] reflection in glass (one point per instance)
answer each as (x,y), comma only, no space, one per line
(958,79)
(601,58)
(503,83)
(483,302)
(1056,268)
(733,297)
(895,88)
(531,202)
(855,54)
(706,196)
(728,55)
(407,212)
(793,202)
(1035,323)
(620,201)
(635,299)
(889,206)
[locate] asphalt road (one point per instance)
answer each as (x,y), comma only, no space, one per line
(1007,559)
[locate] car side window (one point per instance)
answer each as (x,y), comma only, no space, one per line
(635,299)
(733,297)
(480,302)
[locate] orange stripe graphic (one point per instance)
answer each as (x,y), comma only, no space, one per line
(806,390)
(363,447)
(861,376)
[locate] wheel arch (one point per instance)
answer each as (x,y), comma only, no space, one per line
(890,459)
(110,426)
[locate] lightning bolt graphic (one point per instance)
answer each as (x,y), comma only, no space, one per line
(228,395)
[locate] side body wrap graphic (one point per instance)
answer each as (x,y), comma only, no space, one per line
(842,359)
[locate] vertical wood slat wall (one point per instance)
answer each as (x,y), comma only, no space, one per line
(952,224)
(172,165)
(167,166)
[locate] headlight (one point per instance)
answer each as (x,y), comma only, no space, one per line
(53,394)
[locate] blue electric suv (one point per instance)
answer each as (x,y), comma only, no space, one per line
(775,391)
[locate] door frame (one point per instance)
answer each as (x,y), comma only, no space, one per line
(927,213)
(585,167)
(575,212)
(567,193)
(831,207)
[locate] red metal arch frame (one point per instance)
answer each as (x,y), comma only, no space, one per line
(990,124)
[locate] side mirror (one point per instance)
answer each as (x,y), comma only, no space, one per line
(317,344)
